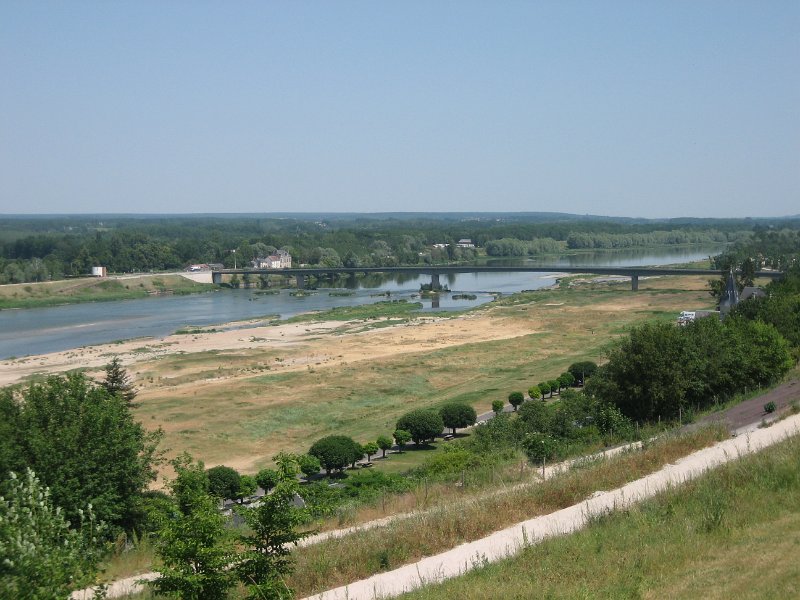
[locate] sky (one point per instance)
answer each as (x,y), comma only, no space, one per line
(641,109)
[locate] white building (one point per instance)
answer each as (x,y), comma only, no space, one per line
(280,260)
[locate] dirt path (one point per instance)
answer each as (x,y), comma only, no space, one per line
(511,540)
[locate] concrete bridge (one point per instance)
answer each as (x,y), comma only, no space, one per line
(435,272)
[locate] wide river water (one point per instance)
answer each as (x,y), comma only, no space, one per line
(42,330)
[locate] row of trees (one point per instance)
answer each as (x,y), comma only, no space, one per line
(586,240)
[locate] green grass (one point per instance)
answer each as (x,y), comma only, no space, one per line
(734,533)
(463,516)
(387,308)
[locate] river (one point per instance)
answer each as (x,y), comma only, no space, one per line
(42,330)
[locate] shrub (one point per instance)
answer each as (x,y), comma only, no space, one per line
(497,406)
(534,392)
(770,407)
(540,446)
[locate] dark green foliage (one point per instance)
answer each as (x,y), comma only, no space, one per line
(118,382)
(515,399)
(566,380)
(402,437)
(770,407)
(335,452)
(457,415)
(540,446)
(536,416)
(555,386)
(247,487)
(41,556)
(544,388)
(224,482)
(359,487)
(423,424)
(268,478)
(659,368)
(83,444)
(192,544)
(384,443)
(309,465)
(582,370)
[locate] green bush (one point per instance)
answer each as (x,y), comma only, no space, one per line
(770,407)
(423,424)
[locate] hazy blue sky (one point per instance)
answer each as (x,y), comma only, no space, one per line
(673,108)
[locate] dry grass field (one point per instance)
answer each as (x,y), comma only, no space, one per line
(238,396)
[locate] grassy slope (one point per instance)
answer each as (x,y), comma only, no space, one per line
(88,289)
(734,533)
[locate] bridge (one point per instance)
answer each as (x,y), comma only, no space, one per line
(435,271)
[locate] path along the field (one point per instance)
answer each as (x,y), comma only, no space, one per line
(511,540)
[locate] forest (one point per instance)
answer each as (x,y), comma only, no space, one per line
(46,248)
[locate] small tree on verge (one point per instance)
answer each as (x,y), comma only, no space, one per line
(540,446)
(273,530)
(456,415)
(247,487)
(195,555)
(118,382)
(267,478)
(555,386)
(515,399)
(423,424)
(497,406)
(534,392)
(370,448)
(566,380)
(384,443)
(544,387)
(41,557)
(402,437)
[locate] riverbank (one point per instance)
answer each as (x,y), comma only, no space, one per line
(239,396)
(95,289)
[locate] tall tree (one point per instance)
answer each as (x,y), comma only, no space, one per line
(273,530)
(192,545)
(83,443)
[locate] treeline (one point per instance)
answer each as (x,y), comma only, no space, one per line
(587,240)
(515,247)
(52,248)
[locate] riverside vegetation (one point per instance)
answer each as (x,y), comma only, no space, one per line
(577,421)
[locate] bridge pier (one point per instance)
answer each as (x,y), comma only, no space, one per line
(634,283)
(216,278)
(300,281)
(435,283)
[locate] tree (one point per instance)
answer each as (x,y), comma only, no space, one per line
(555,386)
(384,443)
(497,406)
(402,437)
(195,554)
(309,465)
(118,382)
(356,454)
(224,482)
(268,478)
(335,452)
(41,556)
(536,416)
(457,415)
(534,392)
(515,399)
(582,370)
(423,424)
(83,444)
(247,487)
(544,387)
(370,448)
(566,380)
(272,532)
